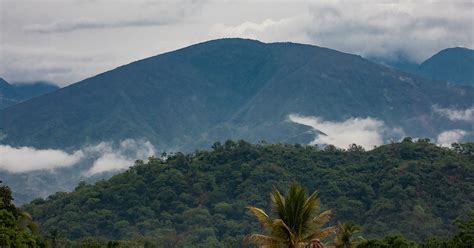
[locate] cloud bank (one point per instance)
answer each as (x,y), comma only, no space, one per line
(24,159)
(446,138)
(102,157)
(366,132)
(122,157)
(414,30)
(466,115)
(127,31)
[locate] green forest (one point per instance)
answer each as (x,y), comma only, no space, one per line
(406,194)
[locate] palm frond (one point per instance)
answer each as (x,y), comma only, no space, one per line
(279,223)
(323,217)
(261,216)
(320,234)
(278,202)
(297,219)
(262,240)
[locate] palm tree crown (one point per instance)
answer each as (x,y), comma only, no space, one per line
(345,237)
(297,223)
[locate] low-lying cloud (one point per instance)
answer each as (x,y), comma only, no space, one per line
(446,138)
(122,157)
(366,132)
(24,159)
(466,115)
(103,157)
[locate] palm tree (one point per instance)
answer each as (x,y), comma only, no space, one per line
(297,221)
(345,236)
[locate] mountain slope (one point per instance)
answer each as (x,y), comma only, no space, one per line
(7,94)
(16,93)
(33,89)
(452,64)
(413,188)
(229,88)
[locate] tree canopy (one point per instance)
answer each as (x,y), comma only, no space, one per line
(414,189)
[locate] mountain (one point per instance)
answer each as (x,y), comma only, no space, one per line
(198,200)
(7,94)
(400,61)
(455,65)
(452,64)
(230,88)
(33,89)
(11,94)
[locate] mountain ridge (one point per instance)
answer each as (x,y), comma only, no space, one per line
(11,94)
(452,64)
(227,87)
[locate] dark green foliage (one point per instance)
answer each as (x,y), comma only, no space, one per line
(16,228)
(464,238)
(389,242)
(411,188)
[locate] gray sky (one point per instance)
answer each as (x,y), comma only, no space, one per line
(64,41)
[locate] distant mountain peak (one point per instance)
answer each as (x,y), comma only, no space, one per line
(11,94)
(452,64)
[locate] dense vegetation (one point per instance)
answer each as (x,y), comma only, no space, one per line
(411,188)
(16,226)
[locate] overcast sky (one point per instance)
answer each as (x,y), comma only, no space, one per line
(64,41)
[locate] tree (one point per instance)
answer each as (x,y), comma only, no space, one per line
(297,221)
(6,198)
(16,227)
(345,236)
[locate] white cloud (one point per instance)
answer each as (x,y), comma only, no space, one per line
(102,157)
(287,29)
(414,30)
(109,162)
(446,138)
(23,159)
(111,159)
(452,114)
(366,132)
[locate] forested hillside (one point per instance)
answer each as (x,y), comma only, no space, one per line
(412,188)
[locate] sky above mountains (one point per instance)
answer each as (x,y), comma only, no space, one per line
(66,41)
